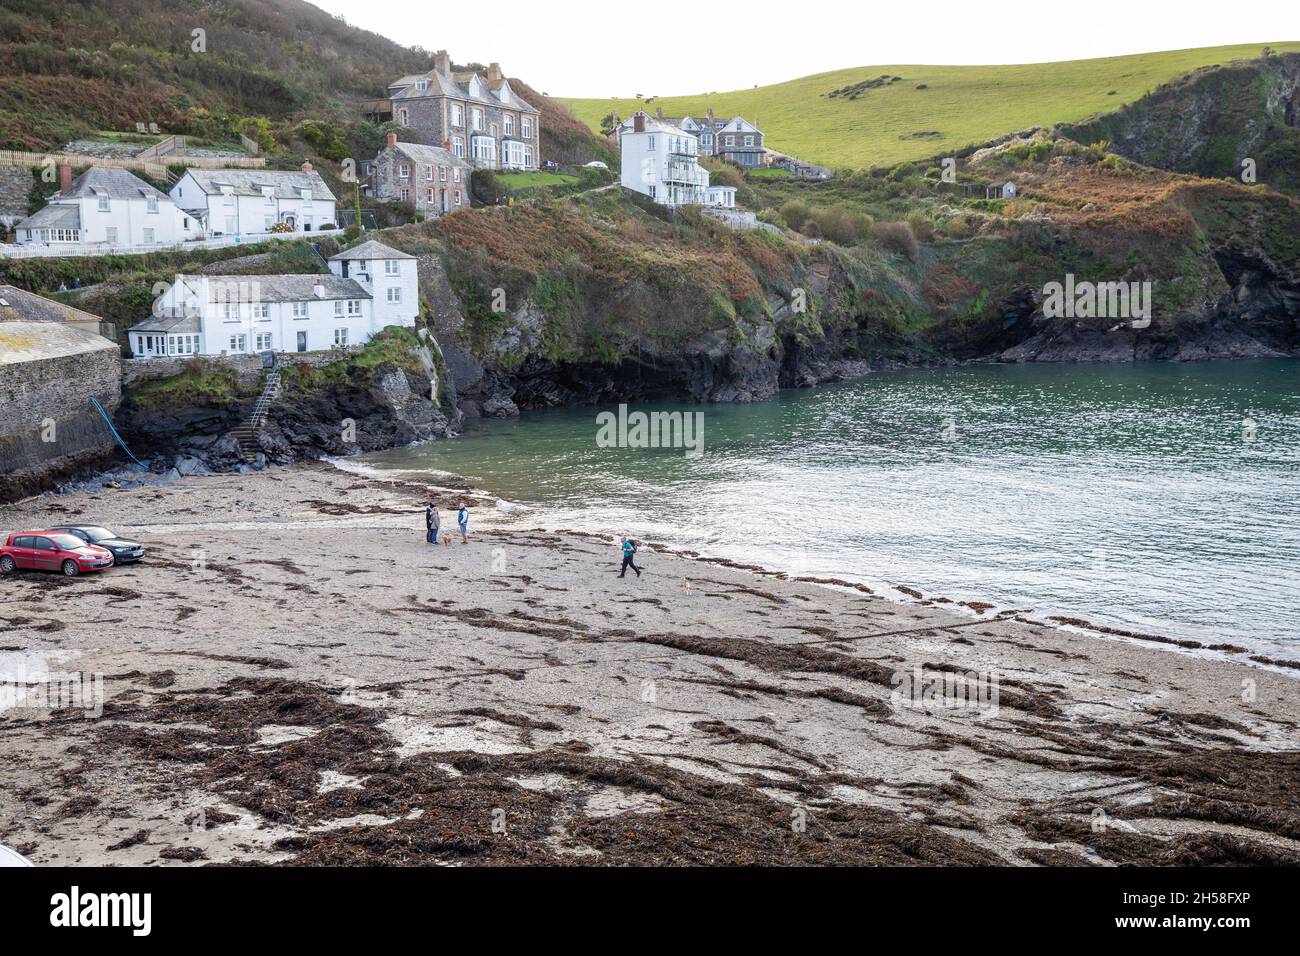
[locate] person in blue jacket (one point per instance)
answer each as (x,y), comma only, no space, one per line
(462,519)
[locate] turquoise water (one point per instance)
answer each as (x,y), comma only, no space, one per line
(1158,497)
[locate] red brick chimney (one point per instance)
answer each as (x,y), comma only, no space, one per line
(306,164)
(392,139)
(65,177)
(638,122)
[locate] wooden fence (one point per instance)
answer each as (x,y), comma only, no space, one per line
(151,168)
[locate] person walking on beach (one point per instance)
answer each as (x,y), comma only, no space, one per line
(629,552)
(462,519)
(432,521)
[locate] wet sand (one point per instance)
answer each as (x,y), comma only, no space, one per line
(294,676)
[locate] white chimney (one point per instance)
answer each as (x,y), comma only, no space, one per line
(319,289)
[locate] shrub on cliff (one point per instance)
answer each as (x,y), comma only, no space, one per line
(897,237)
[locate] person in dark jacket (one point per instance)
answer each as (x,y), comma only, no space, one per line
(432,522)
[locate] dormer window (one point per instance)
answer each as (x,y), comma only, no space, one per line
(268,193)
(306,196)
(422,86)
(103,202)
(151,203)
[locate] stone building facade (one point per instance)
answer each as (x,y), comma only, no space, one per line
(431,178)
(478,117)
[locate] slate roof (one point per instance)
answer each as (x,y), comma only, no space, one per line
(370,249)
(249,182)
(430,154)
(117,183)
(20,305)
(175,324)
(287,288)
(54,216)
(458,85)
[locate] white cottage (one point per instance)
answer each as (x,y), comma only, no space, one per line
(368,289)
(253,202)
(105,209)
(662,161)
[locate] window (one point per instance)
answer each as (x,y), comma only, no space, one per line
(103,202)
(442,173)
(230,224)
(428,195)
(403,170)
(300,310)
(478,119)
(404,117)
(749,141)
(110,234)
(338,307)
(395,292)
(391,267)
(262,311)
(458,147)
(457,197)
(268,193)
(148,237)
(341,337)
(457,115)
(151,204)
(354,306)
(239,343)
(652,192)
(421,86)
(428,172)
(404,194)
(509,122)
(306,196)
(263,341)
(526,127)
(528,156)
(650,142)
(230,312)
(455,174)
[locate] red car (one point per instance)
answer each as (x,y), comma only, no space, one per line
(52,551)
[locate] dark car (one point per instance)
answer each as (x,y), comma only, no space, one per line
(52,551)
(123,550)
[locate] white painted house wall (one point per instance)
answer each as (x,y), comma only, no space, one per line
(323,323)
(662,162)
(118,223)
(394,284)
(232,214)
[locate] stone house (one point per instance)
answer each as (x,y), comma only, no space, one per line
(431,178)
(478,117)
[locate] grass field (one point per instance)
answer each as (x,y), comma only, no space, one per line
(529,180)
(960,105)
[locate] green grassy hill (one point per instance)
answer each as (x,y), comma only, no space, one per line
(957,106)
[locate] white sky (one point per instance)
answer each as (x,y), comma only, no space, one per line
(581,48)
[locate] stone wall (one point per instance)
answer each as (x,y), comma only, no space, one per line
(50,429)
(248,368)
(16,184)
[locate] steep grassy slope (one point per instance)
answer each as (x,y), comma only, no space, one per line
(959,105)
(1212,120)
(67,68)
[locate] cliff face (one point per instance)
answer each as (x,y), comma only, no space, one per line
(1209,122)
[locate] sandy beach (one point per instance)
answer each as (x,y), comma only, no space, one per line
(294,676)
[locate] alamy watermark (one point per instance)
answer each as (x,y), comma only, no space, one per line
(651,430)
(1103,300)
(36,688)
(973,692)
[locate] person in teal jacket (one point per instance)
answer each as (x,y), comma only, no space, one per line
(629,552)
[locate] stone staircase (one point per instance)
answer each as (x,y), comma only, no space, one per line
(246,432)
